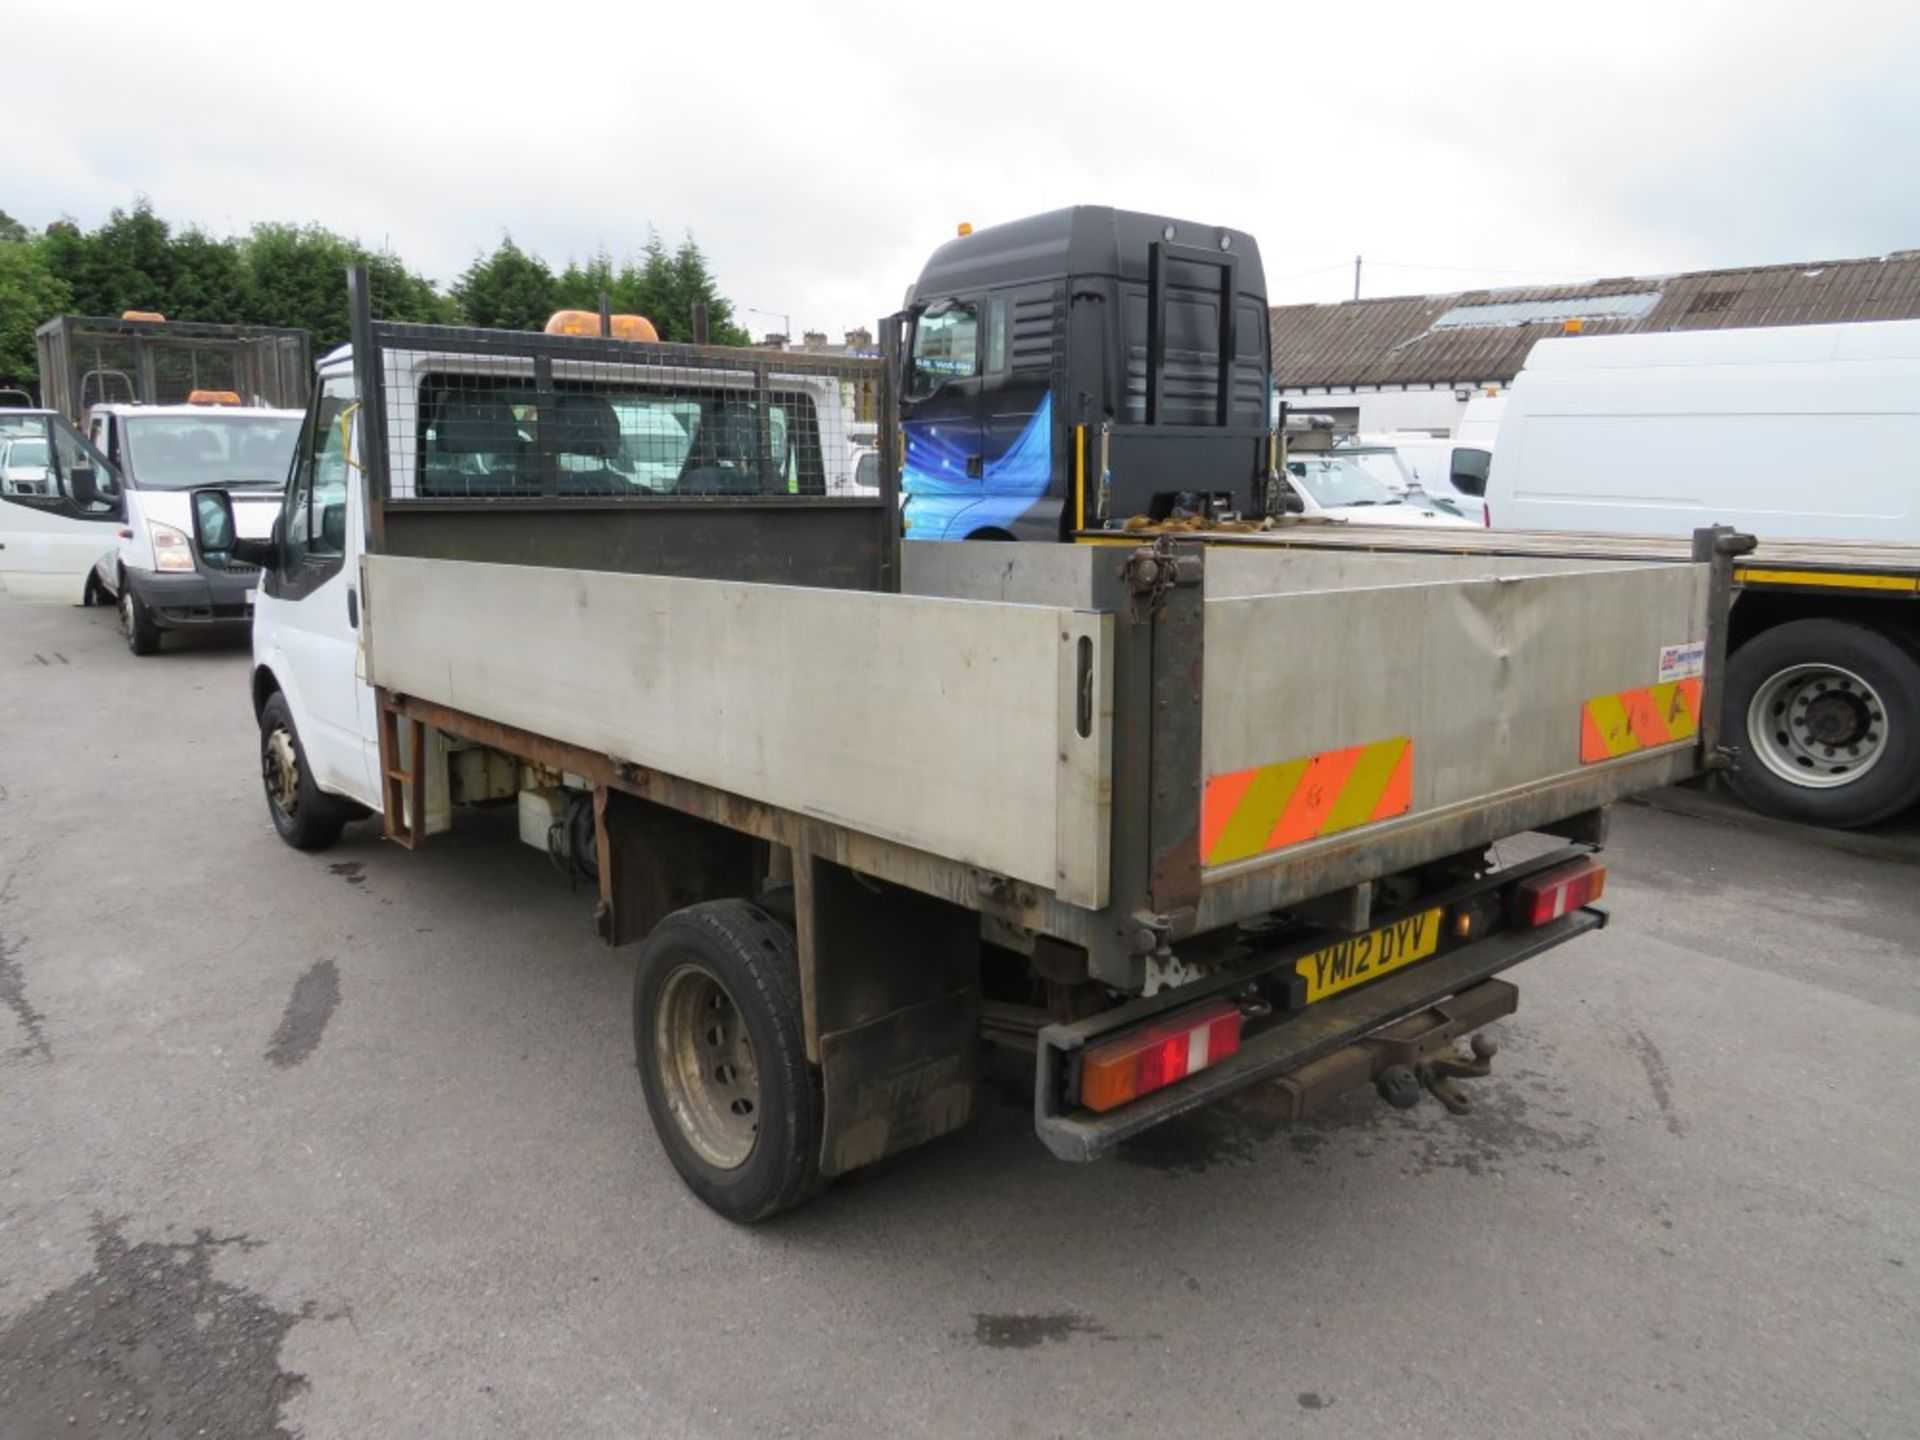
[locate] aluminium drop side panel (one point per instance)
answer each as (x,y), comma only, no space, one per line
(948,726)
(1238,571)
(1488,677)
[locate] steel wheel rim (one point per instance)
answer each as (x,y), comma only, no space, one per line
(280,768)
(126,613)
(707,1068)
(1817,726)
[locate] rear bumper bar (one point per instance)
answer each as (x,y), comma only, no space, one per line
(1452,986)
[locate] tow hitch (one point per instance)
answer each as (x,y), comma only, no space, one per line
(1400,1084)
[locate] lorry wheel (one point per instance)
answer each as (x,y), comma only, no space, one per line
(137,624)
(1827,718)
(721,1044)
(305,818)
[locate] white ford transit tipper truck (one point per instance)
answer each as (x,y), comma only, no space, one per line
(1173,818)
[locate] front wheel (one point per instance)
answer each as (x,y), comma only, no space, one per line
(306,818)
(137,622)
(720,1041)
(1827,718)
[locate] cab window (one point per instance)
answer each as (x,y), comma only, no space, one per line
(74,459)
(316,508)
(1470,471)
(26,459)
(946,346)
(485,435)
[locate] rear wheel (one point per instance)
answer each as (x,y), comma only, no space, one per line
(1827,717)
(720,1041)
(306,818)
(137,623)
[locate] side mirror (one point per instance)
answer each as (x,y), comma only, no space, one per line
(213,528)
(213,521)
(1290,501)
(83,486)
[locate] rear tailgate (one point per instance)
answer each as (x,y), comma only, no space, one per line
(1364,713)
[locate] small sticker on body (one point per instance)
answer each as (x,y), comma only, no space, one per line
(1683,662)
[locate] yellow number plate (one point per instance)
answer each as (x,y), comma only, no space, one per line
(1354,961)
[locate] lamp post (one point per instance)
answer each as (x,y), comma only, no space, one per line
(786,334)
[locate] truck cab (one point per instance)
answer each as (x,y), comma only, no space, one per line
(1075,369)
(168,458)
(470,438)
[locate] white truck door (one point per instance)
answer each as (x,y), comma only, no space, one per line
(311,606)
(49,536)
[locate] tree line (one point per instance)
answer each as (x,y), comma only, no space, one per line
(281,274)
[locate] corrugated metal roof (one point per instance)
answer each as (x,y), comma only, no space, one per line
(1424,339)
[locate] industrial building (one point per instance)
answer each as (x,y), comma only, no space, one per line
(1411,362)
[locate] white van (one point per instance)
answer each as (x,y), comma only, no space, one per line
(59,504)
(166,455)
(1804,432)
(1806,436)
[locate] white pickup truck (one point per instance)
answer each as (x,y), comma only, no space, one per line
(1173,818)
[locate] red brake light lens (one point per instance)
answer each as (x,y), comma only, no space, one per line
(1558,892)
(1154,1056)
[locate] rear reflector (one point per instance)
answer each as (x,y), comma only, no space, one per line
(1156,1055)
(1558,892)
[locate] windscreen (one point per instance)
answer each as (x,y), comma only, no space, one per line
(1335,482)
(180,452)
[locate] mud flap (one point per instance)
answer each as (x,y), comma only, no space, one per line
(899,1081)
(893,977)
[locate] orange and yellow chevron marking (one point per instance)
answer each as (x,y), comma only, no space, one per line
(1613,725)
(1249,812)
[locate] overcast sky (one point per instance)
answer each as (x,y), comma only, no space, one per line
(819,152)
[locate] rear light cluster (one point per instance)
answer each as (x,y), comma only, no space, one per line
(1154,1056)
(1558,892)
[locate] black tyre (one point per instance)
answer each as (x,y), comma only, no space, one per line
(720,1040)
(137,623)
(1827,718)
(306,818)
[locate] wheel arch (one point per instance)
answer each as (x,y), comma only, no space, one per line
(1762,610)
(265,685)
